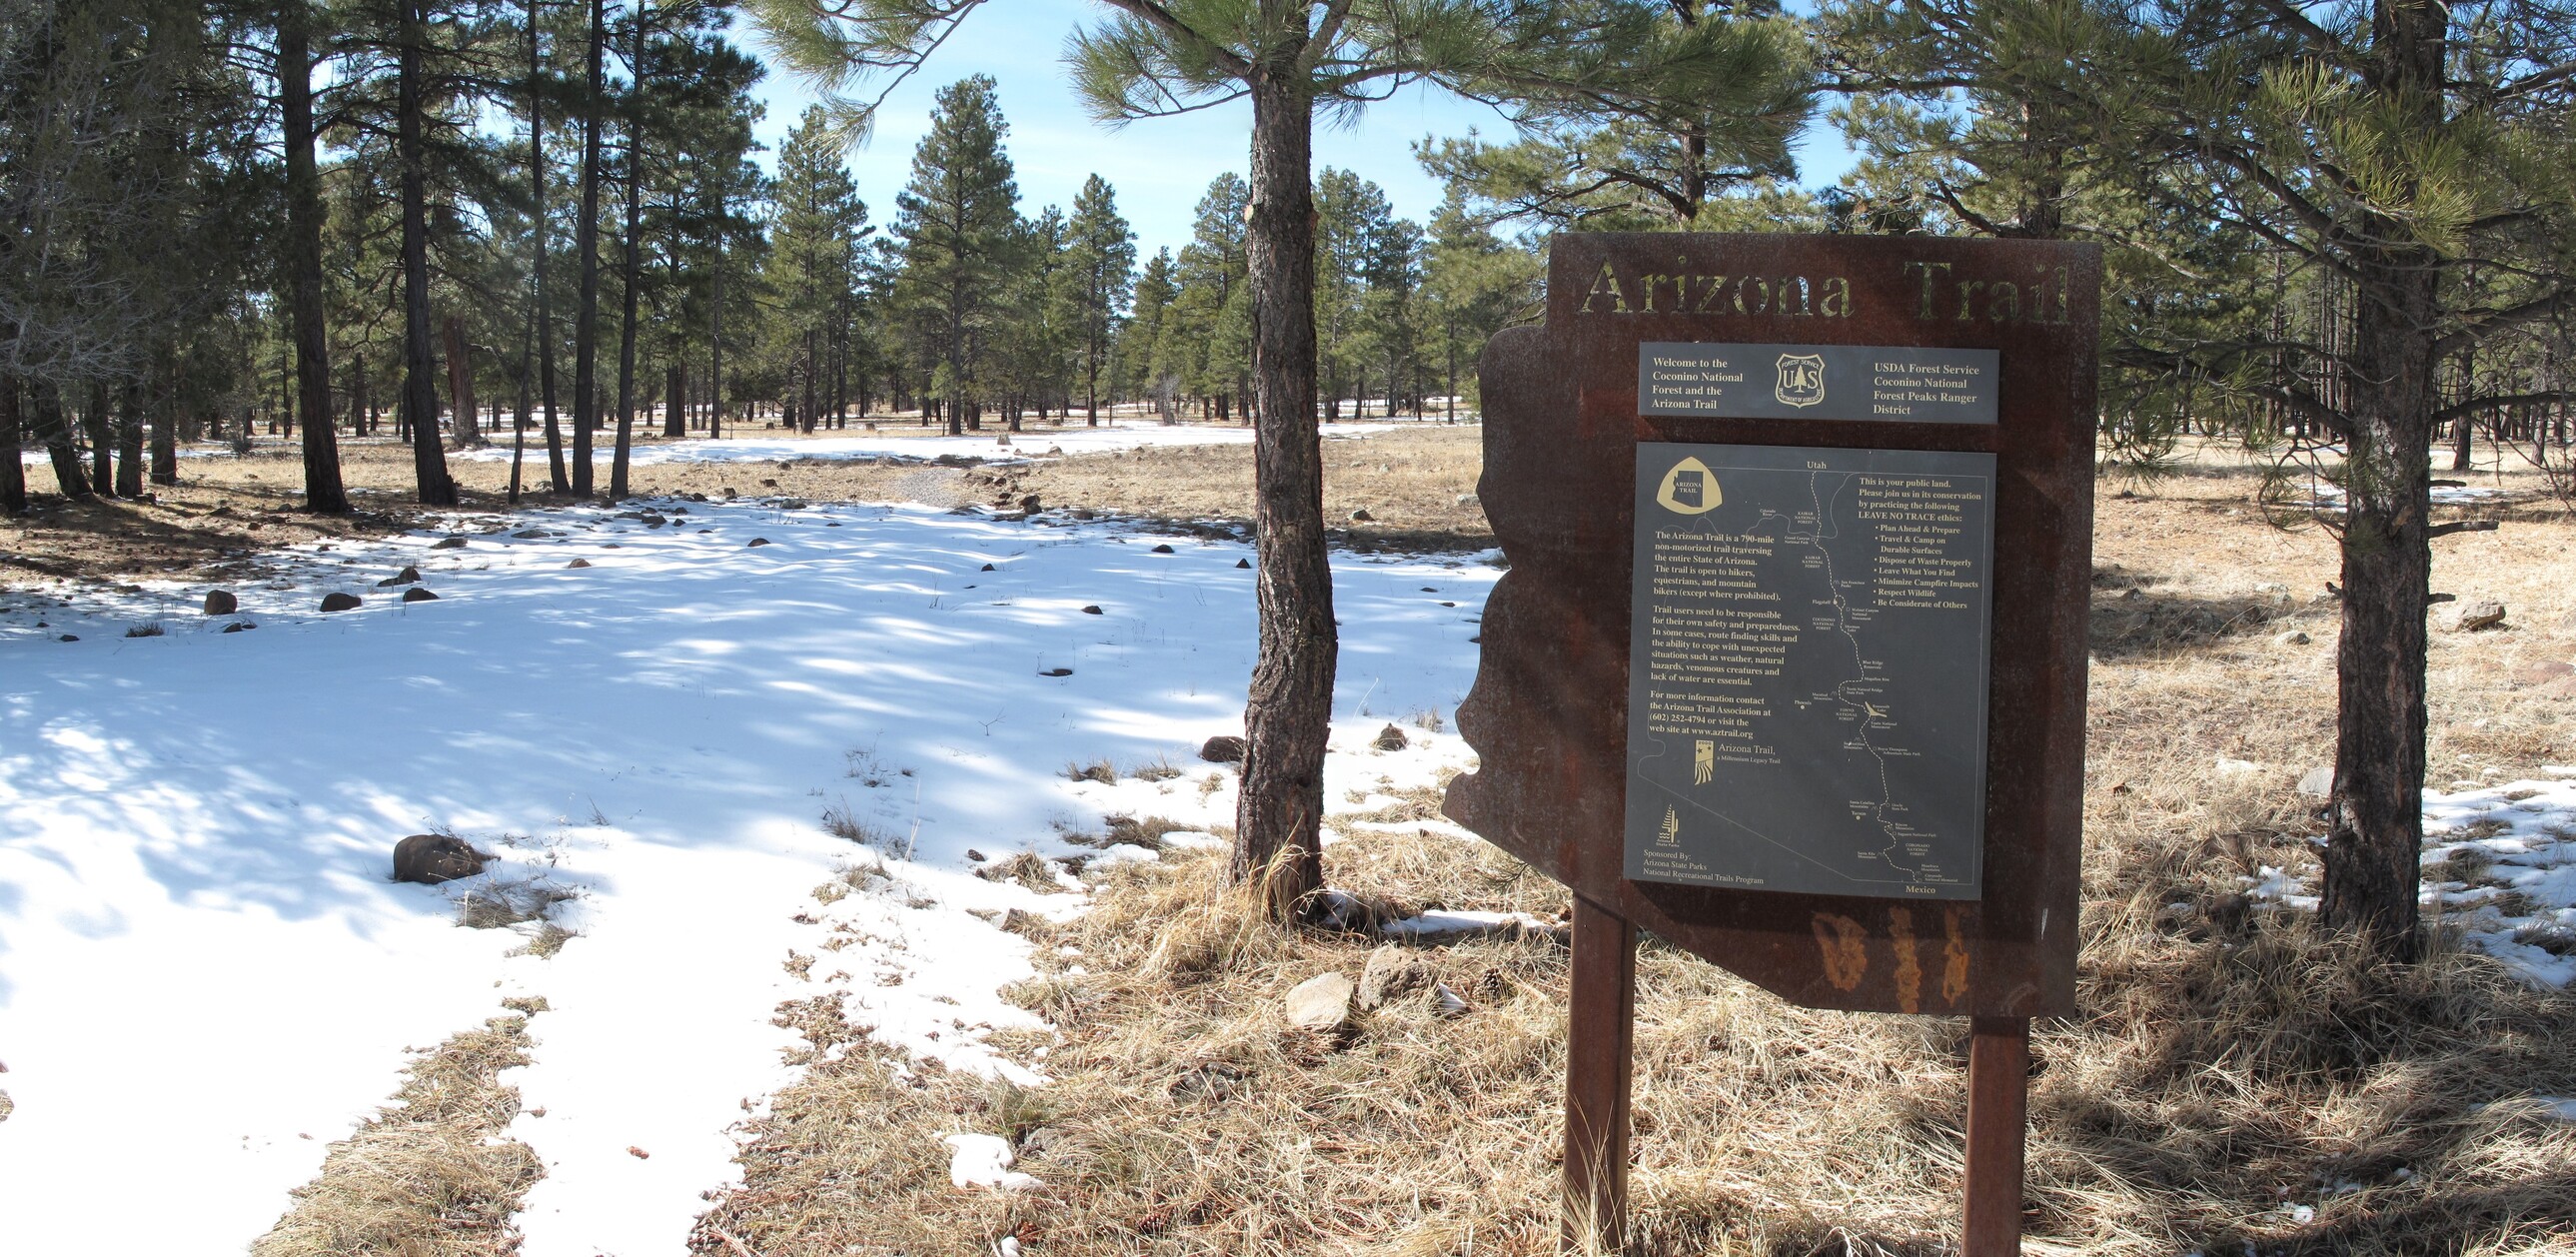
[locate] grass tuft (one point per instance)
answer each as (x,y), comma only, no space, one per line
(430,1176)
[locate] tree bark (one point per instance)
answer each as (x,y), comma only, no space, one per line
(13,474)
(715,337)
(56,428)
(1290,712)
(2376,818)
(164,463)
(545,336)
(420,366)
(675,397)
(627,273)
(324,491)
(585,332)
(102,441)
(129,440)
(460,380)
(519,419)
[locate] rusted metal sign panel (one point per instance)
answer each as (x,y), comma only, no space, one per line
(1565,414)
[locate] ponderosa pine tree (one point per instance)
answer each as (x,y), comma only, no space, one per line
(1104,267)
(1209,350)
(324,490)
(958,223)
(585,329)
(2395,145)
(1738,92)
(420,365)
(630,269)
(1290,58)
(812,270)
(1473,285)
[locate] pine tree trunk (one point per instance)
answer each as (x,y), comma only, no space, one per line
(585,332)
(165,434)
(2376,820)
(1289,716)
(545,333)
(519,416)
(628,271)
(324,491)
(13,474)
(102,442)
(56,428)
(675,394)
(715,339)
(420,367)
(129,441)
(460,380)
(809,375)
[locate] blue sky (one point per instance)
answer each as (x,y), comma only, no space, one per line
(1159,166)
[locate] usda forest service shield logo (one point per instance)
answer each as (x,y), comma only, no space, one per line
(1802,380)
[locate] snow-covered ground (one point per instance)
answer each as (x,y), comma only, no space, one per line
(894,442)
(2499,863)
(205,976)
(2517,841)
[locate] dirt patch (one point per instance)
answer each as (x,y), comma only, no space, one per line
(228,509)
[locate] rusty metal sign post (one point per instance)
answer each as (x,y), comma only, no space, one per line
(1789,665)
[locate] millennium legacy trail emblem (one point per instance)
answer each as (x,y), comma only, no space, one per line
(1802,380)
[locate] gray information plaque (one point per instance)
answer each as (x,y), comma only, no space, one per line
(1807,669)
(1889,384)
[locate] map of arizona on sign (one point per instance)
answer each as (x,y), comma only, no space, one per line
(1807,669)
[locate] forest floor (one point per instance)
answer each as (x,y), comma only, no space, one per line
(2233,1083)
(1017,950)
(229,510)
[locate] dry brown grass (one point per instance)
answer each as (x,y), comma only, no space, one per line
(2233,1082)
(2223,1072)
(215,524)
(431,1175)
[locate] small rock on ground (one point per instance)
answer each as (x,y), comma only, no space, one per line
(433,858)
(1392,972)
(337,601)
(2469,617)
(1322,1002)
(221,602)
